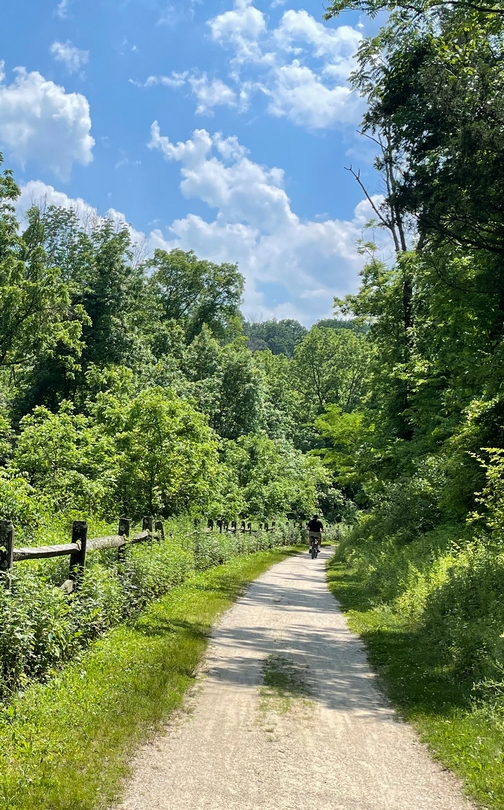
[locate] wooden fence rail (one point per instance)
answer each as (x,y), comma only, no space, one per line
(224,526)
(81,544)
(77,549)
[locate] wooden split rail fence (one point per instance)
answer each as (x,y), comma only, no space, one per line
(224,526)
(81,544)
(77,549)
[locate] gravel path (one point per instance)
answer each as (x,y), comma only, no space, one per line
(318,736)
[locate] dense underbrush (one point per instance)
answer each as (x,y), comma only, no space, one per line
(41,627)
(444,586)
(431,612)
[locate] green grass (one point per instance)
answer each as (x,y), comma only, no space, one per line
(464,735)
(284,676)
(66,745)
(285,686)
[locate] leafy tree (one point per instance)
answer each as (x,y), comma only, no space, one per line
(281,402)
(273,477)
(115,300)
(415,8)
(67,458)
(195,292)
(343,323)
(34,299)
(225,384)
(432,78)
(66,241)
(239,398)
(433,81)
(107,295)
(166,453)
(202,358)
(345,434)
(280,337)
(330,366)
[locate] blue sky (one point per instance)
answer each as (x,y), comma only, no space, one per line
(221,126)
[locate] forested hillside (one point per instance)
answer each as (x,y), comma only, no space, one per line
(134,386)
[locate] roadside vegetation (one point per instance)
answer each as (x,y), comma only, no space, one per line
(42,628)
(421,565)
(431,619)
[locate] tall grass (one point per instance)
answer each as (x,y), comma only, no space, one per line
(432,614)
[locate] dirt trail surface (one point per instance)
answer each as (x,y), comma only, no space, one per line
(287,715)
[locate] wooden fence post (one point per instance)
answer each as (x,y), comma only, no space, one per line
(210,524)
(159,528)
(147,526)
(242,526)
(78,558)
(123,531)
(6,550)
(249,527)
(220,524)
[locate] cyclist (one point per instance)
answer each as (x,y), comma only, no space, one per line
(315,529)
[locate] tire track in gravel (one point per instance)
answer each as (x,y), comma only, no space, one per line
(326,740)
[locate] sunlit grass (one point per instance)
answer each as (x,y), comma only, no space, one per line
(66,745)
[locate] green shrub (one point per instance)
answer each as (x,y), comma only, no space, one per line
(100,602)
(465,614)
(36,630)
(151,571)
(442,585)
(19,504)
(409,506)
(41,627)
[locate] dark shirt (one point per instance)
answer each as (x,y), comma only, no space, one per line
(315,526)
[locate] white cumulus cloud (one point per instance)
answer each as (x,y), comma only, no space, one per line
(338,44)
(241,191)
(299,94)
(242,28)
(62,9)
(254,225)
(174,80)
(40,121)
(211,93)
(302,66)
(73,58)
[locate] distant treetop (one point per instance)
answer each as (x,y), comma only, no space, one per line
(282,337)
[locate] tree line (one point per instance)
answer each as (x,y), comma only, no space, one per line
(422,455)
(432,78)
(135,385)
